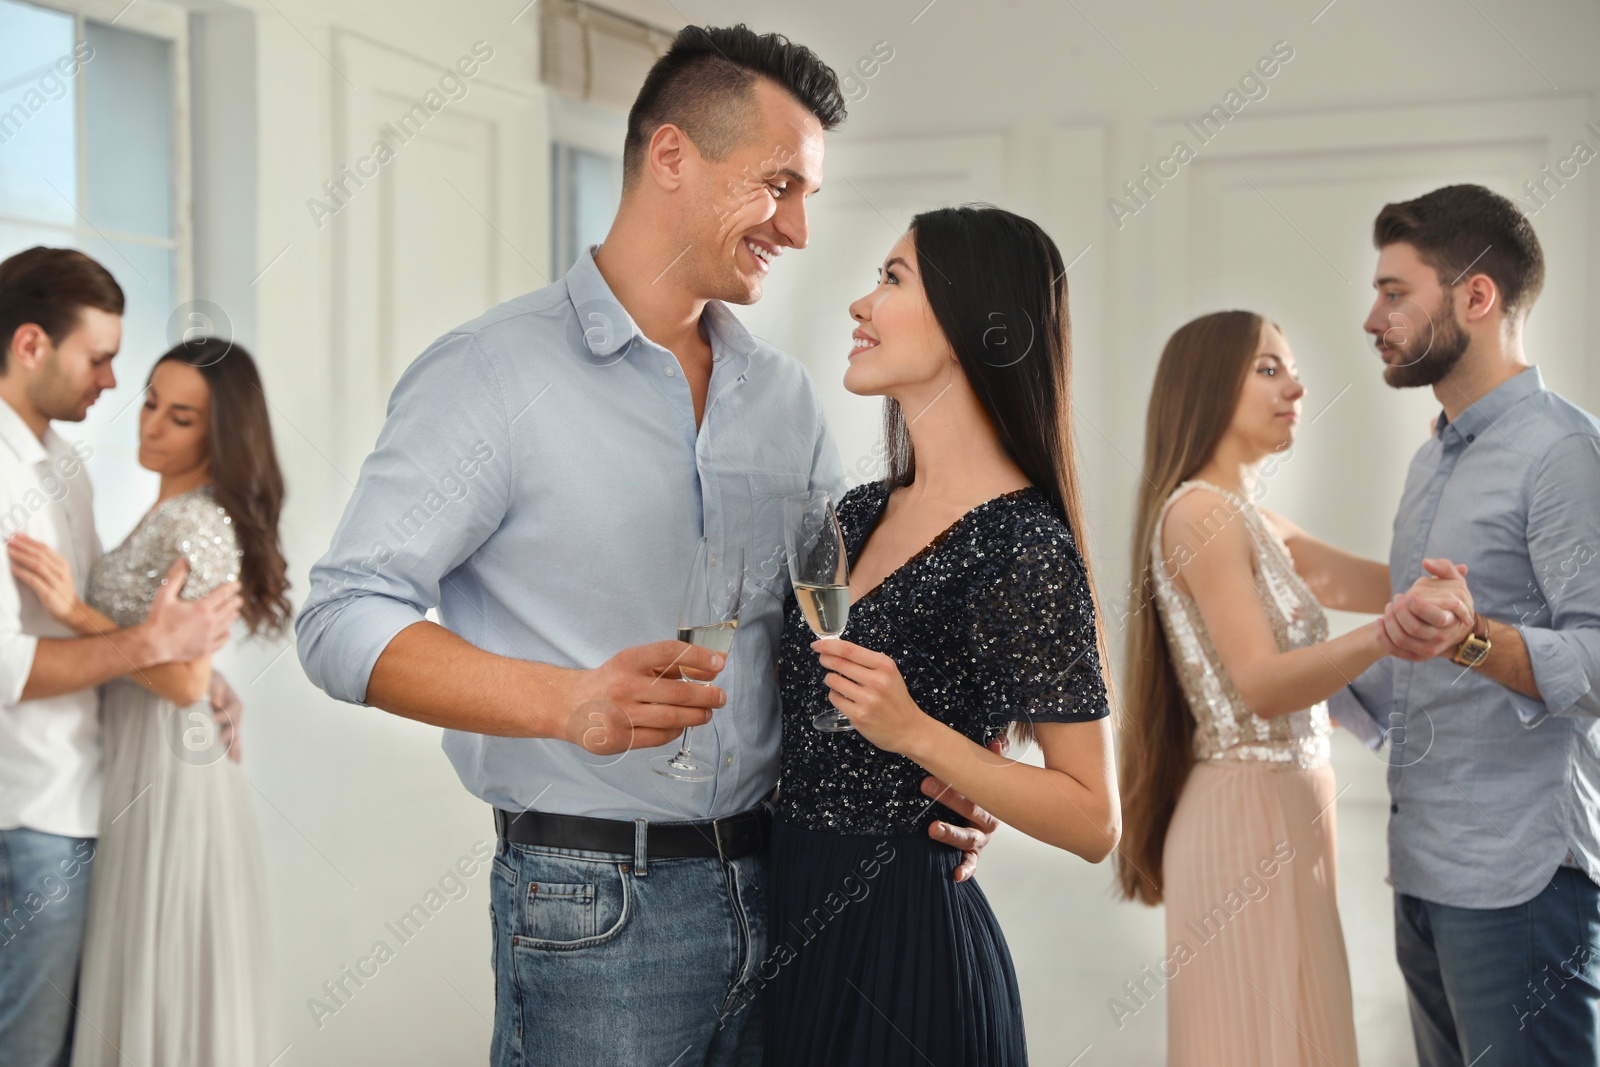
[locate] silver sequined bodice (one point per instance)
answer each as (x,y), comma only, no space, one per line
(1224,728)
(192,525)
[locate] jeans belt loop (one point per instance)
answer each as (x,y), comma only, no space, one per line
(716,832)
(641,846)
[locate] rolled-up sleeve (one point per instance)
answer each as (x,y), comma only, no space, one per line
(433,490)
(1363,707)
(1564,548)
(16,653)
(16,648)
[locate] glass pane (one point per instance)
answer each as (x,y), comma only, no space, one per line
(38,109)
(123,489)
(15,238)
(127,108)
(596,192)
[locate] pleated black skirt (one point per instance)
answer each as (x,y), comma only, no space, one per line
(875,956)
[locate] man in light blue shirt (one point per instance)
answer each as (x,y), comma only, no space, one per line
(1494,733)
(543,477)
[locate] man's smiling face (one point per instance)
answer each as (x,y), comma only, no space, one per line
(751,206)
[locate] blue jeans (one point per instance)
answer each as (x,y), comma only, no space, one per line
(44,895)
(597,961)
(1505,987)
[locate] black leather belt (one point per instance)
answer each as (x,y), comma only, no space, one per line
(730,838)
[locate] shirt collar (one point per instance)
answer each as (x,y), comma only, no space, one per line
(16,435)
(724,326)
(608,328)
(1489,407)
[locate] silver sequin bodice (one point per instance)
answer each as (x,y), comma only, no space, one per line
(1225,729)
(192,525)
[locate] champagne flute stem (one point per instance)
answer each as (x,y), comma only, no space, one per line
(683,744)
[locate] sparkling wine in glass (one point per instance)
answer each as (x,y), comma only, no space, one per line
(708,618)
(819,570)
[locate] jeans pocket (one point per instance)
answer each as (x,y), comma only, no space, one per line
(559,911)
(572,905)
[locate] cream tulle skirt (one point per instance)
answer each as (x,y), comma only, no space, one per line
(174,958)
(1256,967)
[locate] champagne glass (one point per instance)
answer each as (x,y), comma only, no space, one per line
(707,618)
(819,570)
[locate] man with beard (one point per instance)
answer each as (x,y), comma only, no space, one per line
(588,435)
(1493,721)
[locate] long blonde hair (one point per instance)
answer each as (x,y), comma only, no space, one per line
(1197,387)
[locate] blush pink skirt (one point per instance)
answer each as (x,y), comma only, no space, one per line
(1255,973)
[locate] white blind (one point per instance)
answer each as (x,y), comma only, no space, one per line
(595,55)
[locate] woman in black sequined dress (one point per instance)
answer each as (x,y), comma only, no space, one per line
(972,617)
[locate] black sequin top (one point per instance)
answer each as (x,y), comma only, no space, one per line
(990,623)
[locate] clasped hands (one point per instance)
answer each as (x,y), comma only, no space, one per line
(1431,618)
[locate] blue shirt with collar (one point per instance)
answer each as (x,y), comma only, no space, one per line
(541,482)
(1491,790)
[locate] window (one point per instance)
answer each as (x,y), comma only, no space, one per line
(586,189)
(594,60)
(94,156)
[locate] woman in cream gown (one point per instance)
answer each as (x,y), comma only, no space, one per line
(174,964)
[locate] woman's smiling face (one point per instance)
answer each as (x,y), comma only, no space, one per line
(897,345)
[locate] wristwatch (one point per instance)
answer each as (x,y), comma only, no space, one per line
(1475,648)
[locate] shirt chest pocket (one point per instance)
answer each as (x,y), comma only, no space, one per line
(757,522)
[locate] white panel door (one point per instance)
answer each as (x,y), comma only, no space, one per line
(455,222)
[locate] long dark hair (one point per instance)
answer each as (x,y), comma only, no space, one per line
(244,472)
(1198,382)
(998,290)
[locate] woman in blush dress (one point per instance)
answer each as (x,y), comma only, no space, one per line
(1228,814)
(973,617)
(175,949)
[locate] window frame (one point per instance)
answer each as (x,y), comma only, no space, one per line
(168,22)
(581,126)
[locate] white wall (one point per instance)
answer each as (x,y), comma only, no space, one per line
(361,813)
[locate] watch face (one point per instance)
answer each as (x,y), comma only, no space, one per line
(1472,651)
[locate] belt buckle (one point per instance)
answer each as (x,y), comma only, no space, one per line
(716,832)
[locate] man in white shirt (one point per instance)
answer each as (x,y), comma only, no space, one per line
(61,324)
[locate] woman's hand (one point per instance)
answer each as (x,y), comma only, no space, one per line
(45,571)
(866,686)
(1431,618)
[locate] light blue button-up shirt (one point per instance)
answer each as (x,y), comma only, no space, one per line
(541,481)
(1490,789)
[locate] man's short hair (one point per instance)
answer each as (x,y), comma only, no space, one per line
(1463,228)
(705,86)
(50,287)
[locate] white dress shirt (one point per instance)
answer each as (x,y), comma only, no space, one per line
(50,748)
